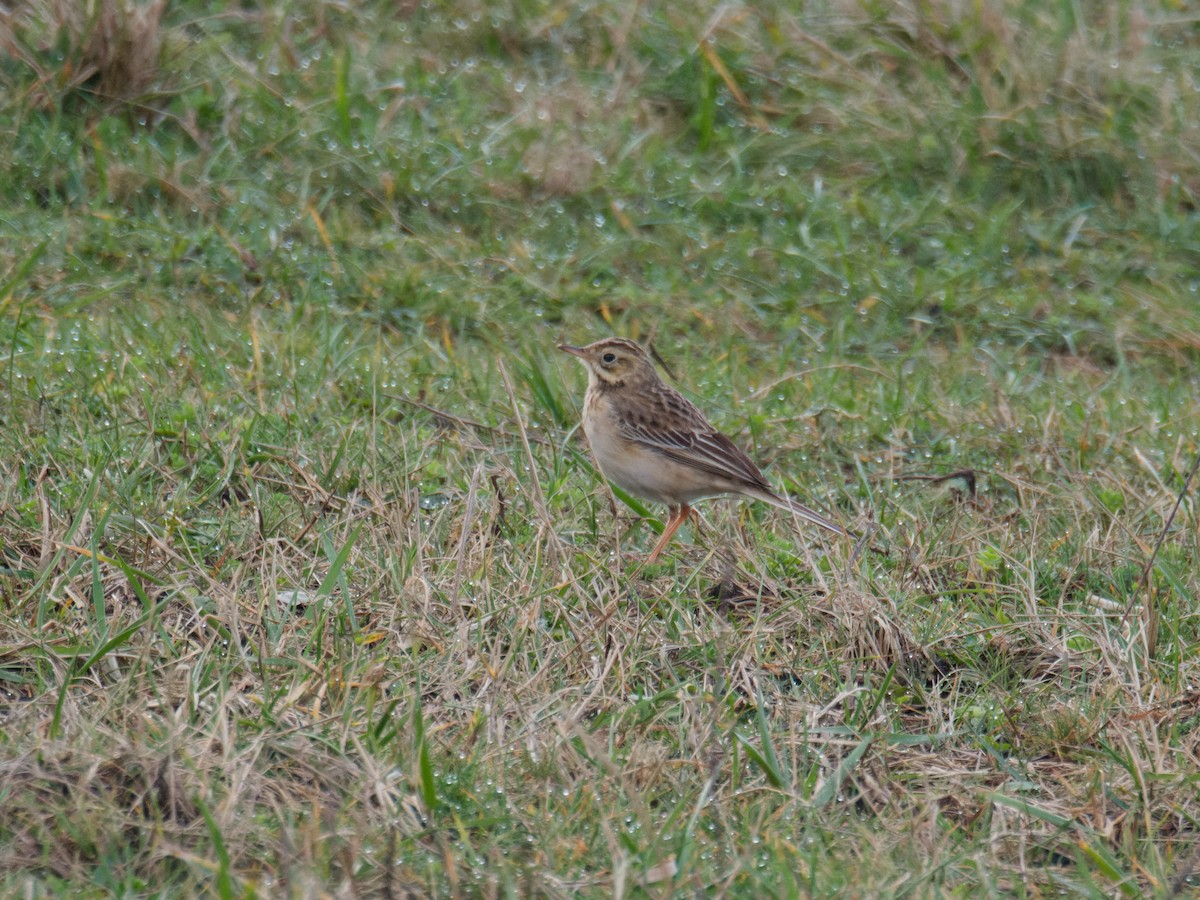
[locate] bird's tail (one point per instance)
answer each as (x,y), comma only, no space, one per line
(803,512)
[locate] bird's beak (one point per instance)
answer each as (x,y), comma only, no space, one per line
(574,351)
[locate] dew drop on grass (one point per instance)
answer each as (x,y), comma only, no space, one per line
(430,502)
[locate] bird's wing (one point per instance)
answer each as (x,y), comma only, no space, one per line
(672,425)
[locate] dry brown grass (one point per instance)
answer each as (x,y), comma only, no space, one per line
(110,50)
(573,686)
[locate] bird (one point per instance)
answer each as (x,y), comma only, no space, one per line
(654,443)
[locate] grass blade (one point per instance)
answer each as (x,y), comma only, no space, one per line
(425,777)
(335,577)
(828,792)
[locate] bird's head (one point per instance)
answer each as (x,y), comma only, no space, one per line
(614,362)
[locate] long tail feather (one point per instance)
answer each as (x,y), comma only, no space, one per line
(798,509)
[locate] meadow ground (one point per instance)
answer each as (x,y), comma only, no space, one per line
(308,586)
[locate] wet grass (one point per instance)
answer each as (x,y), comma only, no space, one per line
(308,584)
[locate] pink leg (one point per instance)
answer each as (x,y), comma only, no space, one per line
(676,516)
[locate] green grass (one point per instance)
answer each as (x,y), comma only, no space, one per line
(308,584)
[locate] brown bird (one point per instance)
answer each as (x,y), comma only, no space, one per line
(653,442)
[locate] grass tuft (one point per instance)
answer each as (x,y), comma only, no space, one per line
(108,53)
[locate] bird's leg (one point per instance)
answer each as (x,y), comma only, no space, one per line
(676,516)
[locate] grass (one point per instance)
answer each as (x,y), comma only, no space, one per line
(308,584)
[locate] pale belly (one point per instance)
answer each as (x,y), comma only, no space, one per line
(647,474)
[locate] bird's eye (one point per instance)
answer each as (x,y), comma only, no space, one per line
(608,358)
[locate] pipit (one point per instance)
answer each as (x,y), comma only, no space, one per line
(653,442)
